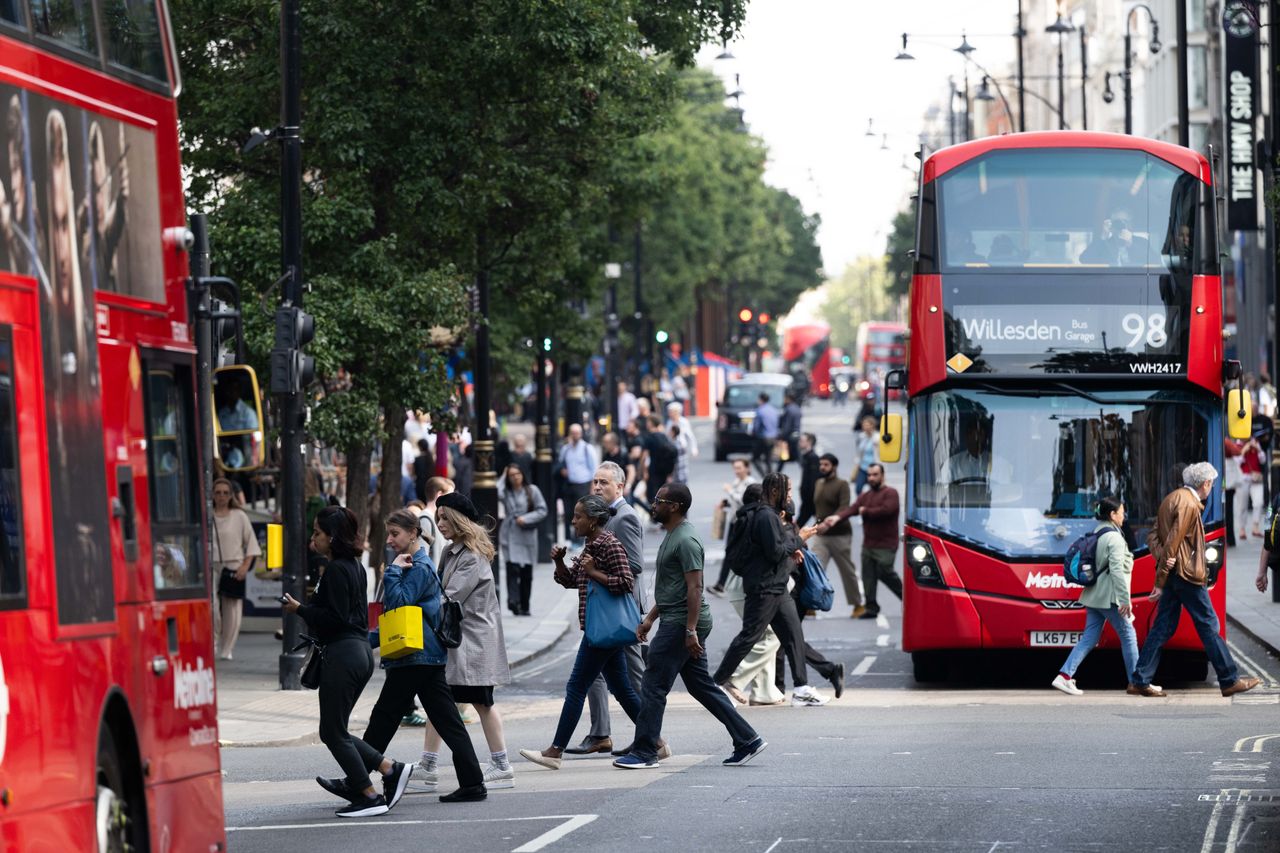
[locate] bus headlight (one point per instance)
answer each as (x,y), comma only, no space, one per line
(923,564)
(1213,561)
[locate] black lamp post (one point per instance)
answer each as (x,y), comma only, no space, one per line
(1060,28)
(966,50)
(1128,58)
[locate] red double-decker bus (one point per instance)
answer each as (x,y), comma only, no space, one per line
(108,724)
(1066,346)
(806,349)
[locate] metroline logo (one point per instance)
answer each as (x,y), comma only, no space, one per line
(1049,580)
(193,686)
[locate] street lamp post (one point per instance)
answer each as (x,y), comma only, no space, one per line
(1127,74)
(612,272)
(1020,35)
(1060,28)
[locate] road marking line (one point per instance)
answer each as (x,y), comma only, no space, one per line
(1259,671)
(330,824)
(1233,835)
(881,622)
(901,753)
(882,641)
(546,665)
(1211,830)
(773,845)
(556,833)
(864,665)
(1258,740)
(1006,753)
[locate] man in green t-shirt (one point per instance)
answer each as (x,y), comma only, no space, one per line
(676,649)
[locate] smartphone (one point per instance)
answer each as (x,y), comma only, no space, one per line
(284,599)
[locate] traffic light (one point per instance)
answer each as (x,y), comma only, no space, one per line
(744,316)
(291,368)
(764,319)
(546,344)
(661,336)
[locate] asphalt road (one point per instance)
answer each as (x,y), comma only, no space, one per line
(993,761)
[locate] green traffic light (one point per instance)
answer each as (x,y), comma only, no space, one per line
(546,344)
(661,336)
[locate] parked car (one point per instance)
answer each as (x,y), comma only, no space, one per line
(737,410)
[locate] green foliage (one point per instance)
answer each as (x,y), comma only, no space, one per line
(860,294)
(898,262)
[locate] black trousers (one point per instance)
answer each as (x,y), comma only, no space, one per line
(812,657)
(759,611)
(762,455)
(807,511)
(348,665)
(571,493)
(519,586)
(428,684)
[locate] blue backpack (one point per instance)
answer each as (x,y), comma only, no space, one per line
(1079,565)
(816,593)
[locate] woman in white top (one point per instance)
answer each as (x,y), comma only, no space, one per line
(234,549)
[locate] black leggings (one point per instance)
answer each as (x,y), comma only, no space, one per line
(348,665)
(762,610)
(428,684)
(519,586)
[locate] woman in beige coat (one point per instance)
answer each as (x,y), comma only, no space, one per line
(1107,600)
(480,663)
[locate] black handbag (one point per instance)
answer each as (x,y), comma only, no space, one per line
(449,631)
(229,586)
(313,669)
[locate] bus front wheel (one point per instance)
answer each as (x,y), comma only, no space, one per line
(121,819)
(929,666)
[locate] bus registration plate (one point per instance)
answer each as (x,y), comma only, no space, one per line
(1055,638)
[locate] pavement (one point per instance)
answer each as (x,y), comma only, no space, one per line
(254,712)
(1250,611)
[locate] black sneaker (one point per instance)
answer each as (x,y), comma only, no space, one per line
(743,754)
(365,807)
(395,782)
(837,680)
(466,794)
(338,787)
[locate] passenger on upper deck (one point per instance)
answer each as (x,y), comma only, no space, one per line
(1116,244)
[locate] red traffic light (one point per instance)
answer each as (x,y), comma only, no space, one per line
(764,318)
(745,315)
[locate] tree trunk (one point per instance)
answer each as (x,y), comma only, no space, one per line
(358,455)
(389,498)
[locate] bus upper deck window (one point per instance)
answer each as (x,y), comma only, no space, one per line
(133,36)
(67,21)
(10,13)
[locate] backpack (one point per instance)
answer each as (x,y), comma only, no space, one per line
(737,547)
(663,453)
(1078,565)
(1273,526)
(816,593)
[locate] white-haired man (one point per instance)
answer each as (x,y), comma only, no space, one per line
(1182,577)
(675,415)
(610,483)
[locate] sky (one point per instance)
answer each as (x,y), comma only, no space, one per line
(815,71)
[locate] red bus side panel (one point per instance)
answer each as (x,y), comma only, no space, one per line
(928,339)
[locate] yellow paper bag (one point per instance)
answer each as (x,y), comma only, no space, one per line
(400,632)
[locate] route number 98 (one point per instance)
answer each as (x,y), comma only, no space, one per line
(1148,330)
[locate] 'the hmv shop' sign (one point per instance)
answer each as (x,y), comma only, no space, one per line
(1240,25)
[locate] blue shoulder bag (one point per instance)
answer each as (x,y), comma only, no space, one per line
(611,619)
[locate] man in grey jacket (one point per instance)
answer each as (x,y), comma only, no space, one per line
(609,482)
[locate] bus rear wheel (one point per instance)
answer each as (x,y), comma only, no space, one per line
(121,818)
(930,666)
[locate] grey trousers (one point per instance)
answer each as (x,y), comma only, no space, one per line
(598,695)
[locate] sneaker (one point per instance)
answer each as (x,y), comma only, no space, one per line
(365,807)
(716,590)
(469,794)
(423,781)
(338,787)
(417,719)
(394,783)
(743,754)
(496,777)
(635,762)
(837,680)
(1067,685)
(806,695)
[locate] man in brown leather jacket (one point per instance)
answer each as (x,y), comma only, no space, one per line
(1177,543)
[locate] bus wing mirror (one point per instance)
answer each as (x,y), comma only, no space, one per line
(890,437)
(237,418)
(895,380)
(1239,413)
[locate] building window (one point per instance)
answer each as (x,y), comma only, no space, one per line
(1197,77)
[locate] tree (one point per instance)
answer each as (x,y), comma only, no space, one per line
(898,262)
(860,294)
(443,139)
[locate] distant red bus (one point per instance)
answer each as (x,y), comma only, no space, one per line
(1066,346)
(108,721)
(806,349)
(880,347)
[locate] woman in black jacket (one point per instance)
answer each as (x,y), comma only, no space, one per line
(338,616)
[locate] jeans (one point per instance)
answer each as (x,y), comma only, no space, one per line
(669,657)
(1177,595)
(1093,621)
(598,694)
(348,664)
(590,663)
(427,682)
(760,610)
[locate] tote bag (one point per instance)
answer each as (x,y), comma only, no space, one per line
(611,619)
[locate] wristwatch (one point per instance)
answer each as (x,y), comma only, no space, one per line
(690,632)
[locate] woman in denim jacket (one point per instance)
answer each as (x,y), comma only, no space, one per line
(411,579)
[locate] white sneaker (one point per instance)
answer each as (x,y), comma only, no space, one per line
(494,777)
(806,695)
(423,781)
(1067,685)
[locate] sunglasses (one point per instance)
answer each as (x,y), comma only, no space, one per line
(657,501)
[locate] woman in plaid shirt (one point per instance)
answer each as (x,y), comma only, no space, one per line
(604,561)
